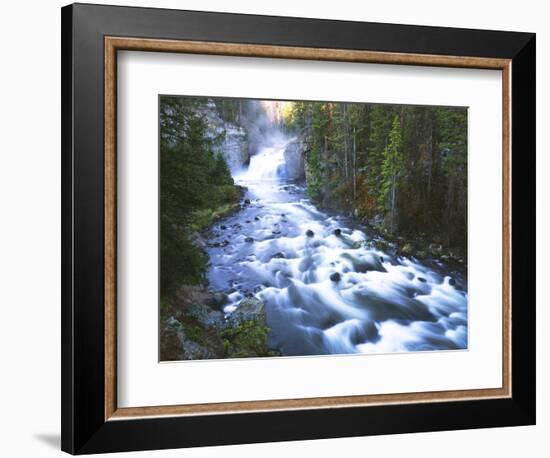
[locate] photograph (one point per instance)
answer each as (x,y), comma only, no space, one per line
(308,228)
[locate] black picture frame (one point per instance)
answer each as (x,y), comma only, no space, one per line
(84,429)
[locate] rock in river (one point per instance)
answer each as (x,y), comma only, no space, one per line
(249,309)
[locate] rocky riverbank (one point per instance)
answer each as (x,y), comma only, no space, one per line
(420,246)
(193,326)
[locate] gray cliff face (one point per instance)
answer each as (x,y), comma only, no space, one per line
(294,159)
(234,139)
(235,147)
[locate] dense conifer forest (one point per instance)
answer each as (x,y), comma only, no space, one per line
(195,183)
(406,165)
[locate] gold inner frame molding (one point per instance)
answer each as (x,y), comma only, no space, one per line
(114,44)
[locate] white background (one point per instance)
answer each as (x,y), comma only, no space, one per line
(142,381)
(30,229)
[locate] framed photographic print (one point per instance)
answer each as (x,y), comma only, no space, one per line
(281,228)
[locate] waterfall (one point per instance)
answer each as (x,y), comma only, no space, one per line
(268,164)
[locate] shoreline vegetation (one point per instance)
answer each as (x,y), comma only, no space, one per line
(397,172)
(197,189)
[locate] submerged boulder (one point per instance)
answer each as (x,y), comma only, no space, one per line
(364,262)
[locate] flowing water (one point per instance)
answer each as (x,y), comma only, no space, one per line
(326,290)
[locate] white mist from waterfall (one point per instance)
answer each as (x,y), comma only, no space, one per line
(267,168)
(268,164)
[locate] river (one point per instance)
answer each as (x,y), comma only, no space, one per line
(326,291)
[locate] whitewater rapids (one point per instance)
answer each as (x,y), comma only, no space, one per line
(326,290)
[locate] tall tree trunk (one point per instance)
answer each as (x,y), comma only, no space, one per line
(354,165)
(427,206)
(449,210)
(392,204)
(345,122)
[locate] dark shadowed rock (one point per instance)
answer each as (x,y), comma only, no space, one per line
(247,201)
(187,295)
(223,227)
(371,332)
(335,277)
(310,233)
(435,248)
(204,315)
(178,342)
(219,300)
(452,281)
(422,279)
(222,244)
(249,240)
(337,232)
